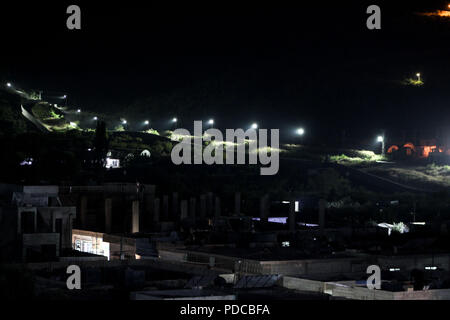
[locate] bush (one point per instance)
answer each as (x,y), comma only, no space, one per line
(329,183)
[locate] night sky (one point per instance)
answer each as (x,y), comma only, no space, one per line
(282,65)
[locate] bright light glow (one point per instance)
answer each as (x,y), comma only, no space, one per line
(380,139)
(254,126)
(211,121)
(95,118)
(300,131)
(394,269)
(418,74)
(64,96)
(112,163)
(430,268)
(78,110)
(73,124)
(124,121)
(307,224)
(146,122)
(9,85)
(419,223)
(285,244)
(27,162)
(282,220)
(174,120)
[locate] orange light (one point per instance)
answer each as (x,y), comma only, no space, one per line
(392,149)
(440,13)
(443,13)
(427,150)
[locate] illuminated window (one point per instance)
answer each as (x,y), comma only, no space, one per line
(394,269)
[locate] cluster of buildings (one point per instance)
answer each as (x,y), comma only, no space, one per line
(423,149)
(157,246)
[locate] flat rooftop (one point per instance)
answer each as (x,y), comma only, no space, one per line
(268,254)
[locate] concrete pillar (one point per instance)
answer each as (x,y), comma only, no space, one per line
(210,204)
(69,232)
(35,221)
(83,212)
(165,210)
(53,222)
(263,208)
(174,216)
(192,208)
(217,208)
(149,200)
(322,204)
(108,215)
(202,206)
(237,203)
(184,209)
(292,216)
(135,217)
(156,207)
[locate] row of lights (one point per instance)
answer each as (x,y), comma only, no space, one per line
(299,131)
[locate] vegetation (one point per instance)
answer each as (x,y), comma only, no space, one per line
(413,82)
(366,157)
(432,177)
(119,128)
(152,131)
(335,155)
(44,111)
(329,184)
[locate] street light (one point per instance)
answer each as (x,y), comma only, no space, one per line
(254,126)
(146,122)
(9,85)
(381,139)
(124,121)
(418,76)
(78,111)
(174,120)
(95,118)
(211,121)
(300,131)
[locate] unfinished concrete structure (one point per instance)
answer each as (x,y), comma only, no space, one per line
(114,207)
(42,225)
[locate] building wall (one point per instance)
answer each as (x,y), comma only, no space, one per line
(36,240)
(302,284)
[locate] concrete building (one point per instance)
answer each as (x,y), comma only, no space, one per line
(43,226)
